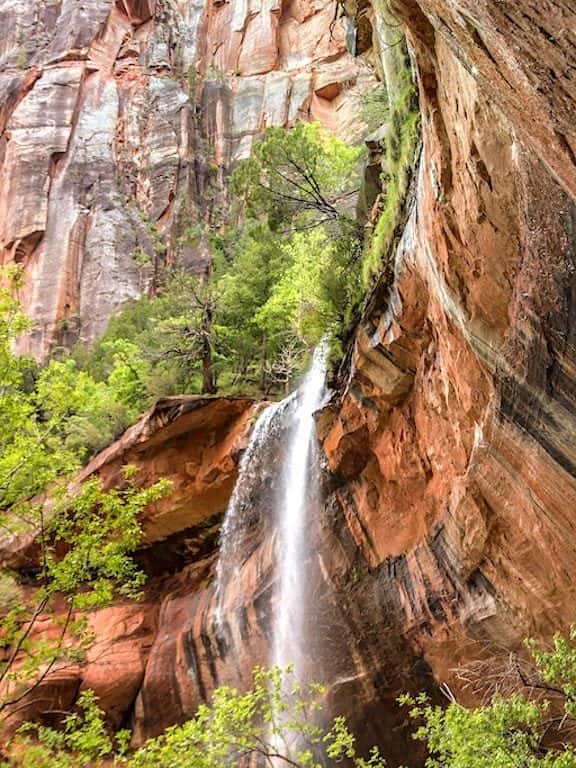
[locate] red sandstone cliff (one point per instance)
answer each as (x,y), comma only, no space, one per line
(119,120)
(448,535)
(449,532)
(452,443)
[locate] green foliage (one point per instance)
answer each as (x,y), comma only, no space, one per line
(558,666)
(302,184)
(375,107)
(246,274)
(50,418)
(296,304)
(298,185)
(505,733)
(97,531)
(83,740)
(508,732)
(275,721)
(285,278)
(86,538)
(156,346)
(22,57)
(32,452)
(91,413)
(403,122)
(142,258)
(302,172)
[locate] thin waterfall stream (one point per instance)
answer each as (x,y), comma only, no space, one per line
(295,494)
(250,472)
(299,494)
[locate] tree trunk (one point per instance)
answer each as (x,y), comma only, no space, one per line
(208,379)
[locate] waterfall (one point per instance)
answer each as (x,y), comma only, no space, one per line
(241,502)
(298,493)
(290,497)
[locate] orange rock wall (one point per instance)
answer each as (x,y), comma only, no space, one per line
(119,121)
(448,531)
(451,444)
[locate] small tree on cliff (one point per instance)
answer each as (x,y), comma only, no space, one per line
(82,561)
(79,542)
(533,727)
(299,178)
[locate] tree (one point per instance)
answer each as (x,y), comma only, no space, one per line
(81,539)
(521,730)
(297,307)
(275,723)
(302,181)
(31,450)
(158,346)
(85,537)
(283,274)
(189,337)
(245,278)
(299,178)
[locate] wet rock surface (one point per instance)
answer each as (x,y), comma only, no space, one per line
(448,532)
(450,442)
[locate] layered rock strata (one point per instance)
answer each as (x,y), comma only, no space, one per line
(118,124)
(451,444)
(447,536)
(448,532)
(196,443)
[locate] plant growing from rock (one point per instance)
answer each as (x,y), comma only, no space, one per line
(299,178)
(85,537)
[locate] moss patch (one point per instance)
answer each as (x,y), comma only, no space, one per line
(403,122)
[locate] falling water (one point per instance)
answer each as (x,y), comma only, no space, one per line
(298,492)
(292,496)
(250,473)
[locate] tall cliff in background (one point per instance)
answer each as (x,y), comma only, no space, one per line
(448,533)
(119,122)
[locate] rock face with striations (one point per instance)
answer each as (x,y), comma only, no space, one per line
(119,120)
(448,532)
(195,442)
(452,439)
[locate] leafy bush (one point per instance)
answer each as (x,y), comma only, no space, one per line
(86,538)
(517,731)
(83,740)
(275,721)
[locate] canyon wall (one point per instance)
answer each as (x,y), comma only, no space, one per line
(451,439)
(448,533)
(119,122)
